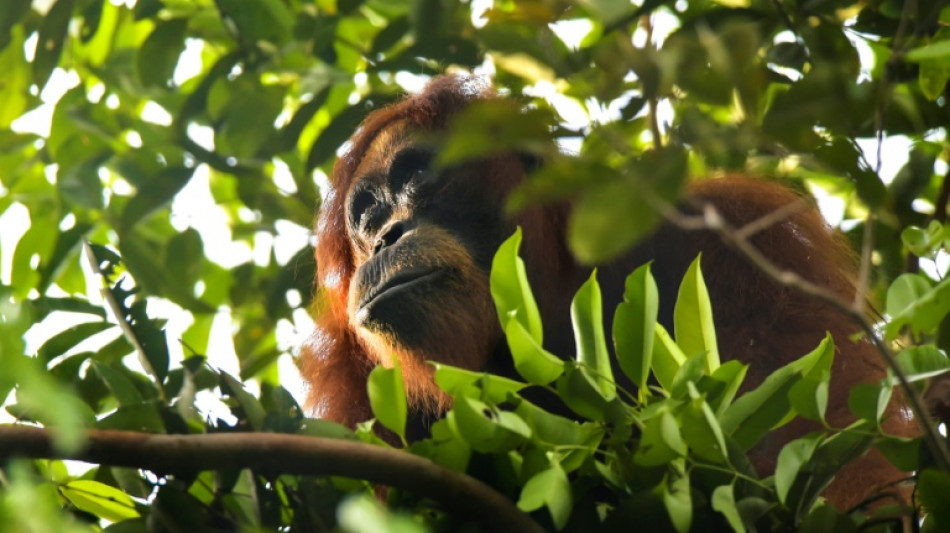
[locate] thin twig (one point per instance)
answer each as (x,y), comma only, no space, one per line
(272,453)
(716,223)
(652,102)
(864,271)
(771,219)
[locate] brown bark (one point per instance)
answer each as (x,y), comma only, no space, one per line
(274,453)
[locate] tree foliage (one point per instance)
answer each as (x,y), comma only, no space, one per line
(164,154)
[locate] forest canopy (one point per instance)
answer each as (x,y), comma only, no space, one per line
(161,162)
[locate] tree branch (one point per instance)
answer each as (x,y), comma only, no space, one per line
(712,220)
(280,453)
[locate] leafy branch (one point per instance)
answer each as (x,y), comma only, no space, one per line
(274,454)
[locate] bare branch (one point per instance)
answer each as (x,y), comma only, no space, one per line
(274,453)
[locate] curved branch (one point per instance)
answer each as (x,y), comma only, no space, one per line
(712,220)
(280,453)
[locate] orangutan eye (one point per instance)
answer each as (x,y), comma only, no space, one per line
(410,168)
(363,205)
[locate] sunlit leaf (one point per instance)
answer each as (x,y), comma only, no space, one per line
(693,318)
(752,415)
(661,441)
(533,363)
(809,397)
(486,428)
(100,500)
(587,317)
(634,324)
(791,459)
(548,488)
(511,291)
(580,391)
(724,501)
(667,357)
(456,380)
(387,396)
(675,491)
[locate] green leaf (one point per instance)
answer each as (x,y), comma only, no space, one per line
(387,397)
(52,35)
(445,447)
(361,513)
(391,34)
(660,442)
(155,193)
(511,291)
(934,50)
(251,406)
(100,500)
(588,320)
(692,372)
(63,255)
(158,55)
(45,305)
(120,386)
(923,242)
(14,12)
(869,401)
(933,491)
(579,391)
(701,430)
(608,219)
(495,389)
(486,428)
(933,76)
(69,338)
(259,20)
(581,439)
(911,301)
(731,374)
(676,496)
(693,318)
(901,452)
(634,325)
(533,363)
(922,362)
(791,459)
(809,397)
(143,417)
(485,128)
(751,416)
(43,398)
(334,135)
(548,488)
(905,291)
(825,518)
(724,501)
(14,92)
(667,357)
(832,453)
